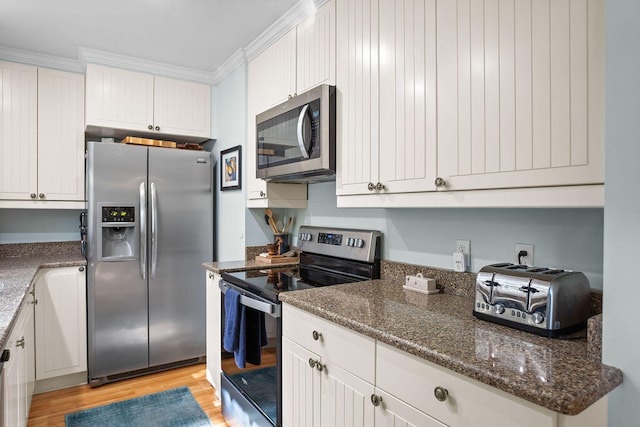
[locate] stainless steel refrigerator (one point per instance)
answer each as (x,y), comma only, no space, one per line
(150,227)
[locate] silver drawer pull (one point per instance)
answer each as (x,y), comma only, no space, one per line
(376,400)
(441,393)
(316,335)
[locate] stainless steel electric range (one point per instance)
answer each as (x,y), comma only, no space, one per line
(330,256)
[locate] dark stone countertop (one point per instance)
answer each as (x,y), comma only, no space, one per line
(233,266)
(557,374)
(19,264)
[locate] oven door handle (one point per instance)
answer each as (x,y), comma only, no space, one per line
(263,306)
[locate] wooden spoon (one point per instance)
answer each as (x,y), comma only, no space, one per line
(272,223)
(286,227)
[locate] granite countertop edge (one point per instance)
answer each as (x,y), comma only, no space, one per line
(235,266)
(555,399)
(17,274)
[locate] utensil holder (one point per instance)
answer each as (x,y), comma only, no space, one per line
(282,240)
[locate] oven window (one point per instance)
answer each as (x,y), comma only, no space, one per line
(290,137)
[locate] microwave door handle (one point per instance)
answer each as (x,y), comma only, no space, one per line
(301,117)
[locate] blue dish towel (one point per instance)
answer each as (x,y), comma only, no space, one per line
(245,332)
(231,320)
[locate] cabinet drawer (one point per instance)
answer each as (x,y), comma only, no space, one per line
(348,349)
(469,403)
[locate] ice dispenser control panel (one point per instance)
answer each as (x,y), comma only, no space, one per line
(118,214)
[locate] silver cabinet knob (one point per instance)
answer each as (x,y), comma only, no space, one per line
(150,127)
(376,400)
(35,301)
(210,275)
(20,342)
(33,195)
(312,363)
(439,182)
(441,393)
(371,186)
(157,127)
(41,195)
(80,268)
(320,367)
(262,193)
(380,186)
(316,335)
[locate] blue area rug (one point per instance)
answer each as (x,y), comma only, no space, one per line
(171,408)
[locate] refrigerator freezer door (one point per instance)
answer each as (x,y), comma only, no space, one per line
(181,207)
(116,290)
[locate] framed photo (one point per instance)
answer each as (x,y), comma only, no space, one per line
(231,168)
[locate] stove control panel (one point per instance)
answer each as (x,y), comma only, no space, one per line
(353,244)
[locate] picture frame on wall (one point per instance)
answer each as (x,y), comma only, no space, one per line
(231,168)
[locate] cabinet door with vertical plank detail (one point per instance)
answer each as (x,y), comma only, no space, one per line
(300,386)
(18,131)
(520,93)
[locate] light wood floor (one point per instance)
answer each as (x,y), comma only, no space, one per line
(48,409)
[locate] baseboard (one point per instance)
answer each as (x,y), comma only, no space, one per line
(57,383)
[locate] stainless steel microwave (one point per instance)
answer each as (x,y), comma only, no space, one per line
(296,140)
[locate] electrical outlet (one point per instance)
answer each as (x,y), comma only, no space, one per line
(464,246)
(527,259)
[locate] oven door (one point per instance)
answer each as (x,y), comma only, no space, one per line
(251,396)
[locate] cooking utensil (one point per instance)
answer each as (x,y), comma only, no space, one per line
(271,221)
(286,227)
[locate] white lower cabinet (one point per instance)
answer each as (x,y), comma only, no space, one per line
(327,381)
(214,331)
(60,325)
(19,372)
(391,411)
(327,373)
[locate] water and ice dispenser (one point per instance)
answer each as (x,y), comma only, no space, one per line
(117,233)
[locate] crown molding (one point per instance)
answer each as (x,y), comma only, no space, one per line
(299,12)
(229,66)
(94,56)
(40,59)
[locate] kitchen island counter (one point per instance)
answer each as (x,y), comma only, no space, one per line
(558,374)
(19,264)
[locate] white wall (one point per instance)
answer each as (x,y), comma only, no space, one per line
(566,238)
(229,127)
(621,336)
(39,225)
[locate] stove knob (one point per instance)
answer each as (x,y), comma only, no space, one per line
(359,243)
(499,308)
(538,317)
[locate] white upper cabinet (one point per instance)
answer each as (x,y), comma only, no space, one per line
(126,101)
(119,99)
(386,83)
(316,49)
(438,99)
(42,137)
(520,93)
(18,131)
(60,135)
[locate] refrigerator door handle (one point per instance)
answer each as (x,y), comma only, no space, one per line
(154,231)
(143,231)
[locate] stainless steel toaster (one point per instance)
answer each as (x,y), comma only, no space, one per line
(545,301)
